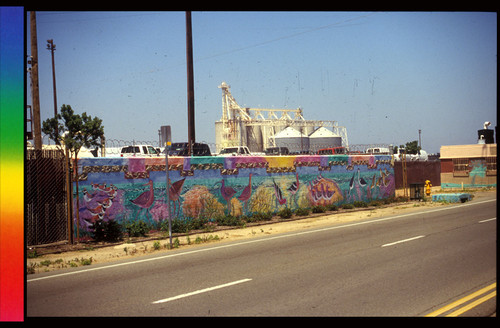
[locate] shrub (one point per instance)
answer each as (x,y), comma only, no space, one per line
(318,209)
(347,206)
(108,231)
(137,229)
(360,203)
(301,211)
(375,203)
(257,217)
(178,226)
(285,213)
(186,225)
(229,220)
(332,207)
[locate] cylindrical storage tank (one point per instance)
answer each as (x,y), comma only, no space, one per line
(295,141)
(485,136)
(323,138)
(218,136)
(254,138)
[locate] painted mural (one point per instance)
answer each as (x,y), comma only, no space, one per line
(131,189)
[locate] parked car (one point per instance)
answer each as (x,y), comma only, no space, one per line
(235,151)
(181,149)
(139,150)
(277,151)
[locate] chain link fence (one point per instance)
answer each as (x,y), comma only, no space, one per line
(113,147)
(46,197)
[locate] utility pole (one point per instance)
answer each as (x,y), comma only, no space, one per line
(37,127)
(51,46)
(419,138)
(190,88)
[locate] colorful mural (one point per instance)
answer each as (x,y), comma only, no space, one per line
(131,189)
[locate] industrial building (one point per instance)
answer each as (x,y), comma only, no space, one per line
(261,128)
(470,165)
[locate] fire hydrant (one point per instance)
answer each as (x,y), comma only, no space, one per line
(428,187)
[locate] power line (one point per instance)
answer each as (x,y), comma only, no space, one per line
(286,36)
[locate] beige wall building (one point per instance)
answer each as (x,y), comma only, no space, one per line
(469,166)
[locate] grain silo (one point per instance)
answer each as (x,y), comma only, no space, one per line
(323,138)
(261,128)
(294,140)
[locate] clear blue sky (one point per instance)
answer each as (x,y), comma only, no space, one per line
(382,75)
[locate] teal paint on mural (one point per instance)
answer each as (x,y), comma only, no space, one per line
(478,168)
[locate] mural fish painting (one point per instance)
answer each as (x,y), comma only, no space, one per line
(323,191)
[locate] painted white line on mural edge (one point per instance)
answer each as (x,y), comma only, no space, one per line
(200,291)
(402,241)
(450,207)
(487,220)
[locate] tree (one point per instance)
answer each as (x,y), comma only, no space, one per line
(412,147)
(72,131)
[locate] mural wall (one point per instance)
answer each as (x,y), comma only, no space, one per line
(130,189)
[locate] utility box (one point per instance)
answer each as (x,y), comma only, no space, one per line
(417,191)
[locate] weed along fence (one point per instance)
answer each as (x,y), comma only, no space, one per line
(130,190)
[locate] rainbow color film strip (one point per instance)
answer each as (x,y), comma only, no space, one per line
(12,68)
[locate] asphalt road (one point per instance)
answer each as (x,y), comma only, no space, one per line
(408,265)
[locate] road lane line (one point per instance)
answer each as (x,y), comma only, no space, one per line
(482,221)
(472,305)
(461,301)
(201,291)
(402,241)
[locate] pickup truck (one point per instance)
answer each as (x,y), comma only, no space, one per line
(235,151)
(139,151)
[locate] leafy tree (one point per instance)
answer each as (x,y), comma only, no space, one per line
(74,131)
(411,147)
(71,132)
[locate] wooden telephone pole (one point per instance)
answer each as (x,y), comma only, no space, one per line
(37,127)
(51,46)
(190,87)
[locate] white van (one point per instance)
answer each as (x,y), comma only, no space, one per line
(378,151)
